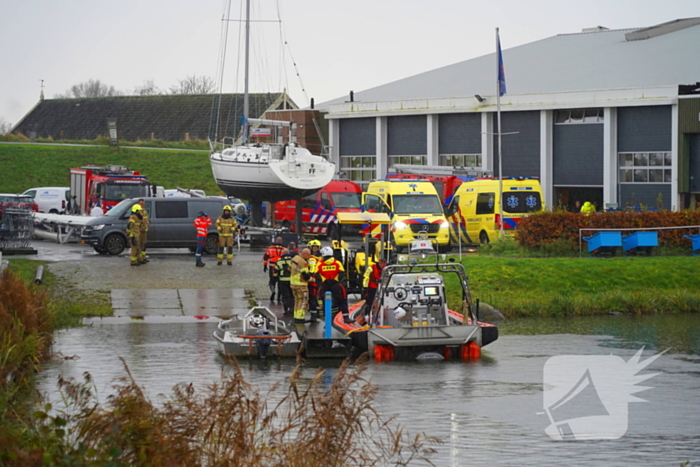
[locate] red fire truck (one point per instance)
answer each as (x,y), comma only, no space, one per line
(318,209)
(107,185)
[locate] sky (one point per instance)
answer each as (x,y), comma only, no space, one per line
(338,46)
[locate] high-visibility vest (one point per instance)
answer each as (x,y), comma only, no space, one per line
(372,277)
(283,267)
(273,251)
(202,226)
(298,266)
(133,228)
(330,269)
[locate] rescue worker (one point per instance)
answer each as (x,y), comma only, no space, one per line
(144,230)
(588,208)
(292,247)
(332,274)
(283,272)
(314,261)
(299,278)
(201,223)
(270,258)
(226,225)
(372,277)
(133,232)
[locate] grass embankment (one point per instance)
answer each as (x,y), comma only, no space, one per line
(28,166)
(521,287)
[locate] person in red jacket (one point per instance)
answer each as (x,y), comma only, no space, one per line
(201,223)
(373,276)
(332,275)
(270,258)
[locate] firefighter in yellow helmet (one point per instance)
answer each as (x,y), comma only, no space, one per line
(588,208)
(133,232)
(226,225)
(314,260)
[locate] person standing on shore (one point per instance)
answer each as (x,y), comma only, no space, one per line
(283,272)
(226,225)
(144,230)
(299,284)
(270,258)
(133,232)
(201,223)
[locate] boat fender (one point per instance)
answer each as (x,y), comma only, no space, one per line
(470,351)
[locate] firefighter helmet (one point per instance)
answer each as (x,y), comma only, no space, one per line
(326,251)
(136,207)
(227,208)
(314,243)
(257,321)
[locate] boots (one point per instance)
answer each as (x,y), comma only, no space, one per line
(272,298)
(200,264)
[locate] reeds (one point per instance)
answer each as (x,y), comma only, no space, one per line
(231,423)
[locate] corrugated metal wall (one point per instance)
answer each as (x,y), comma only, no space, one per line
(688,140)
(358,137)
(578,154)
(460,134)
(646,194)
(407,136)
(521,152)
(694,155)
(644,129)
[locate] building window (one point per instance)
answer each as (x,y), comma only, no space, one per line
(574,116)
(359,168)
(645,167)
(461,160)
(409,160)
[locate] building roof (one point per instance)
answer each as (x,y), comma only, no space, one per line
(596,59)
(165,117)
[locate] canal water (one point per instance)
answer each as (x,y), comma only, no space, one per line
(487,412)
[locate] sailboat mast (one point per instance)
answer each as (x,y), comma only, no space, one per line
(245,90)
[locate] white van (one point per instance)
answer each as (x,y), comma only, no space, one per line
(50,199)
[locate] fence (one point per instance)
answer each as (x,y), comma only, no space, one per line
(16,223)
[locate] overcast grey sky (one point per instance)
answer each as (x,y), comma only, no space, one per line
(338,45)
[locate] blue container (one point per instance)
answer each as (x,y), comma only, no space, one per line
(695,239)
(644,240)
(603,241)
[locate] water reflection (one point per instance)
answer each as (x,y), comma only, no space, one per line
(485,412)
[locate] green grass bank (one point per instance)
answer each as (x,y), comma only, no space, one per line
(27,166)
(522,287)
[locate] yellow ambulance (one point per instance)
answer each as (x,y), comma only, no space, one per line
(476,212)
(415,210)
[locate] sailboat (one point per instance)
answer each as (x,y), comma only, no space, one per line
(266,171)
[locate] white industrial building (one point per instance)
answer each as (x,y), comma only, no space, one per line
(612,116)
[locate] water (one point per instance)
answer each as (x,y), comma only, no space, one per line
(484,412)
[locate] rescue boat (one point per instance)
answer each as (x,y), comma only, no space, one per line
(410,320)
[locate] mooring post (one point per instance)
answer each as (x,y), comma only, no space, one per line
(327,309)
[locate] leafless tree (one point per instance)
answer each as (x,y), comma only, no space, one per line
(90,88)
(4,126)
(194,85)
(147,88)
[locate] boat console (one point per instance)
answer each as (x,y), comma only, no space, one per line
(414,300)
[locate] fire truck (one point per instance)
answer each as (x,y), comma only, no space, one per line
(107,185)
(445,179)
(319,209)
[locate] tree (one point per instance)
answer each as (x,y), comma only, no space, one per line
(90,88)
(4,126)
(147,88)
(194,85)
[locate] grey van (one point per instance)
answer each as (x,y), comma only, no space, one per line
(171,224)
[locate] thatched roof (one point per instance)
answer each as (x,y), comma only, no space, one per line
(167,117)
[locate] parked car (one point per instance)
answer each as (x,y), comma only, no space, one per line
(171,224)
(50,199)
(14,200)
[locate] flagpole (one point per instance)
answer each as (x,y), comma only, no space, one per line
(498,117)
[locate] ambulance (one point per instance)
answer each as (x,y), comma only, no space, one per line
(415,210)
(476,213)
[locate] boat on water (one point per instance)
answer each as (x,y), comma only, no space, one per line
(259,333)
(410,320)
(265,171)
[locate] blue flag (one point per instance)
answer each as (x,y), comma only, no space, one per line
(501,70)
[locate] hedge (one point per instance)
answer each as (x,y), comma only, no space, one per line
(541,229)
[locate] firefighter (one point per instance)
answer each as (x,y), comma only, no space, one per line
(372,277)
(283,272)
(588,208)
(226,225)
(332,274)
(314,260)
(133,231)
(201,223)
(299,278)
(144,230)
(270,258)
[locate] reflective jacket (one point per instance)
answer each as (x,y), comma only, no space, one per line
(273,251)
(144,220)
(226,227)
(330,269)
(133,228)
(372,277)
(283,267)
(587,209)
(299,270)
(202,225)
